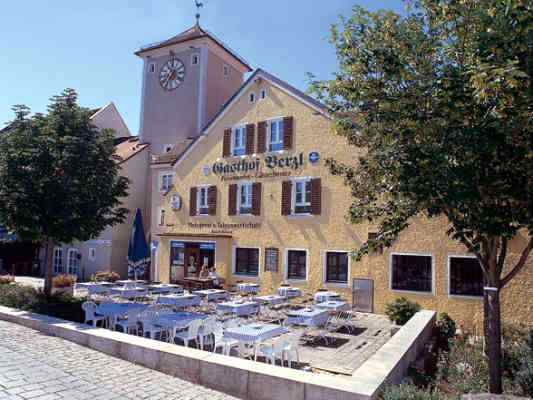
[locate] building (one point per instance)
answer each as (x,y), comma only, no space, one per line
(253,197)
(108,252)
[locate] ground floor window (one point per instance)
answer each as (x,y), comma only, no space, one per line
(73,262)
(246,261)
(297,264)
(336,267)
(188,258)
(411,272)
(58,260)
(466,277)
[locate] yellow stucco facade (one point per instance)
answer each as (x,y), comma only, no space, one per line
(317,234)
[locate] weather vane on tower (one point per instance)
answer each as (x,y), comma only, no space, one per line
(198,6)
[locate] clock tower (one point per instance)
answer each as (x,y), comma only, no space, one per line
(186,81)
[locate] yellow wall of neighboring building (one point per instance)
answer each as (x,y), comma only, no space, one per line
(329,231)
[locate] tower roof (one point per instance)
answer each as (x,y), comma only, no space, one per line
(195,32)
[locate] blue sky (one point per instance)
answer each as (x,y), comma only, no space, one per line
(46,46)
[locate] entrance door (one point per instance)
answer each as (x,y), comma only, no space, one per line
(192,261)
(363,295)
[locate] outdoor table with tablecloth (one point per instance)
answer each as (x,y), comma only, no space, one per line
(179,300)
(164,288)
(248,287)
(289,292)
(239,308)
(129,292)
(178,320)
(270,299)
(308,317)
(212,294)
(131,282)
(113,311)
(255,333)
(333,306)
(321,297)
(95,287)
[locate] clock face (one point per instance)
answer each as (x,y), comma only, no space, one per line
(172,74)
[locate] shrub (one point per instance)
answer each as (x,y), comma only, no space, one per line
(446,331)
(63,281)
(18,296)
(411,392)
(401,310)
(105,276)
(524,375)
(6,279)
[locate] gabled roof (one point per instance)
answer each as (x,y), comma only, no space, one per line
(275,81)
(127,149)
(196,32)
(175,153)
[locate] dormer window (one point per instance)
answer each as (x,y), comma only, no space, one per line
(195,59)
(238,141)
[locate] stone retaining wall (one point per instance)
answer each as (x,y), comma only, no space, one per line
(243,378)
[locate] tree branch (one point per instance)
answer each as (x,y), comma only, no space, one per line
(521,262)
(502,255)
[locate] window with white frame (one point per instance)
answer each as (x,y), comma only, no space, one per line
(73,261)
(301,196)
(275,135)
(466,276)
(247,261)
(161,217)
(336,267)
(297,264)
(244,198)
(412,272)
(58,260)
(202,200)
(238,141)
(195,59)
(165,182)
(92,254)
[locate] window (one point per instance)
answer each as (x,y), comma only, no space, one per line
(252,97)
(161,217)
(225,70)
(246,261)
(165,182)
(151,67)
(73,261)
(336,267)
(92,254)
(244,198)
(167,148)
(238,142)
(411,272)
(263,94)
(466,277)
(195,59)
(297,264)
(275,135)
(58,260)
(301,196)
(201,201)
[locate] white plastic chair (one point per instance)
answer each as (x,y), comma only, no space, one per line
(89,308)
(148,320)
(206,330)
(131,323)
(225,343)
(272,352)
(291,349)
(190,334)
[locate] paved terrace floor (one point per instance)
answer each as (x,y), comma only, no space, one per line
(41,367)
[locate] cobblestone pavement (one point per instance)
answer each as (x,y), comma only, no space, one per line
(41,367)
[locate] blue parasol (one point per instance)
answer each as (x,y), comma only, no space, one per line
(138,250)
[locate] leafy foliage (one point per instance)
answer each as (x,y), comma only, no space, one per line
(411,392)
(105,276)
(401,310)
(63,281)
(446,330)
(6,279)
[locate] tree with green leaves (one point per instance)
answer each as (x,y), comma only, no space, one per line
(440,99)
(58,180)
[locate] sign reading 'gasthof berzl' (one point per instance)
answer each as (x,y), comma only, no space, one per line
(256,164)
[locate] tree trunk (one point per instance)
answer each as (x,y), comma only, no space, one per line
(48,269)
(493,339)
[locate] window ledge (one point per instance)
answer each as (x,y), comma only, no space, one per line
(413,292)
(293,280)
(245,275)
(296,216)
(337,284)
(464,297)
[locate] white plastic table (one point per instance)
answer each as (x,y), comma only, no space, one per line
(129,292)
(289,292)
(178,320)
(321,297)
(212,294)
(255,333)
(112,311)
(271,299)
(164,288)
(248,287)
(333,306)
(95,287)
(179,300)
(239,308)
(307,317)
